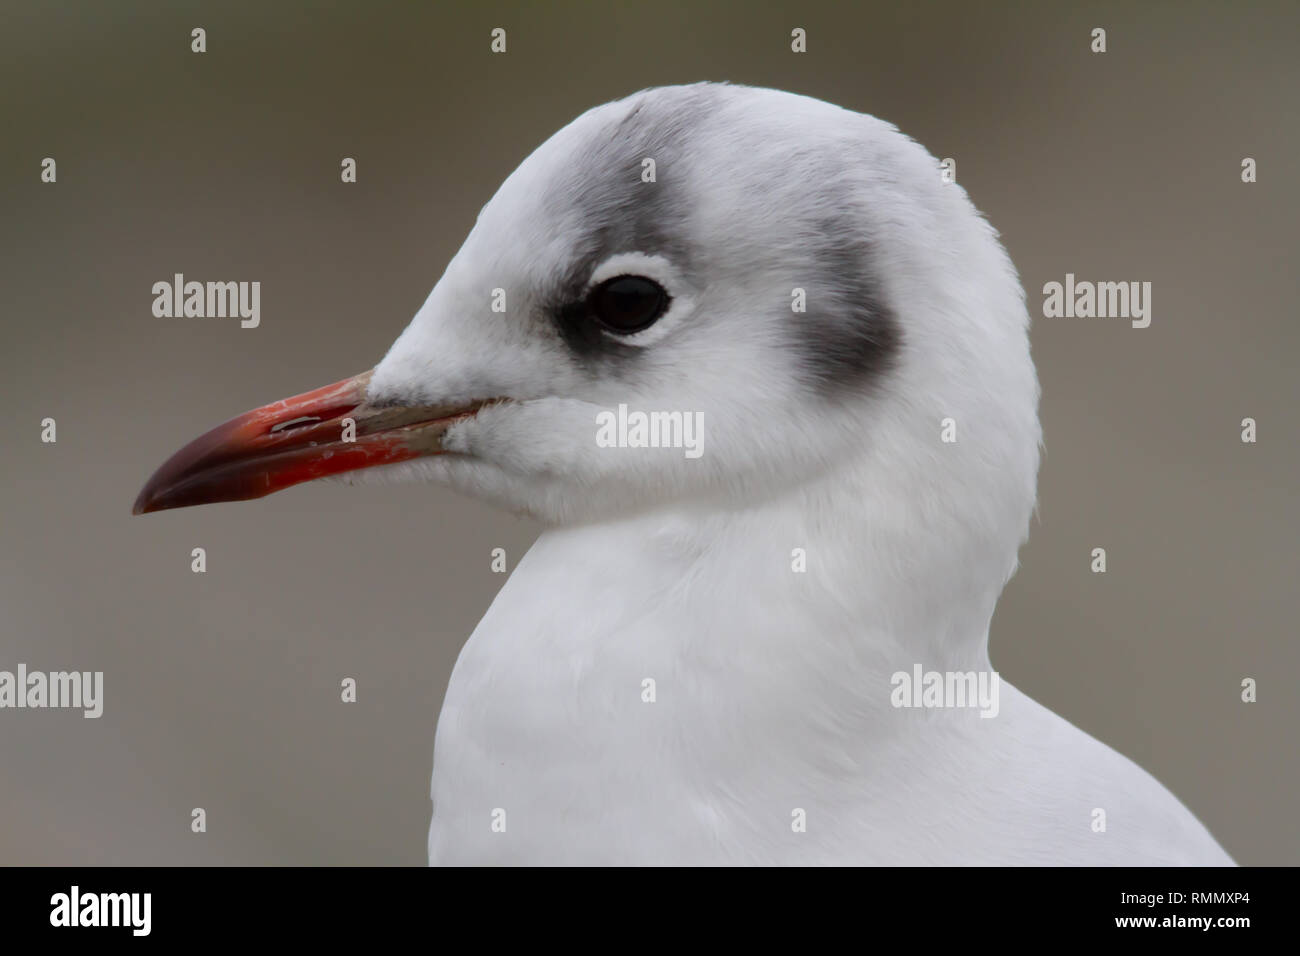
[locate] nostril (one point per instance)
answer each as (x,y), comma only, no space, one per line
(294,423)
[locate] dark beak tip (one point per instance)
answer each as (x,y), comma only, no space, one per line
(142,502)
(155,495)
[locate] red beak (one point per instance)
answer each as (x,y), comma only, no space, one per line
(324,432)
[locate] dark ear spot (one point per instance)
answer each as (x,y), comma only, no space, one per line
(849,337)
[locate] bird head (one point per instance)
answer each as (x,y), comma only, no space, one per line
(790,285)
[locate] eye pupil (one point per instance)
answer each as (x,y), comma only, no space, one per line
(627,304)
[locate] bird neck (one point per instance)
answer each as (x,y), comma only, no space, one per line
(847,571)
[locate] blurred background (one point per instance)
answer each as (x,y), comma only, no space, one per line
(222,689)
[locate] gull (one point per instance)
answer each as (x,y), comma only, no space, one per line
(698,662)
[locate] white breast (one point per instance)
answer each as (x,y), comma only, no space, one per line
(770,699)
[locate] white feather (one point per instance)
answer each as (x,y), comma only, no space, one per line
(773,687)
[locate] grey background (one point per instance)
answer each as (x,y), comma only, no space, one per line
(222,689)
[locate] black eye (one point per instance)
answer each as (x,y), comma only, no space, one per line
(627,304)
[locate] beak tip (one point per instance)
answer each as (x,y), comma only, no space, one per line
(152,497)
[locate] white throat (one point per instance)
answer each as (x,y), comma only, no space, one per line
(682,654)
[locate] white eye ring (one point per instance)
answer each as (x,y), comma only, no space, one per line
(661,271)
